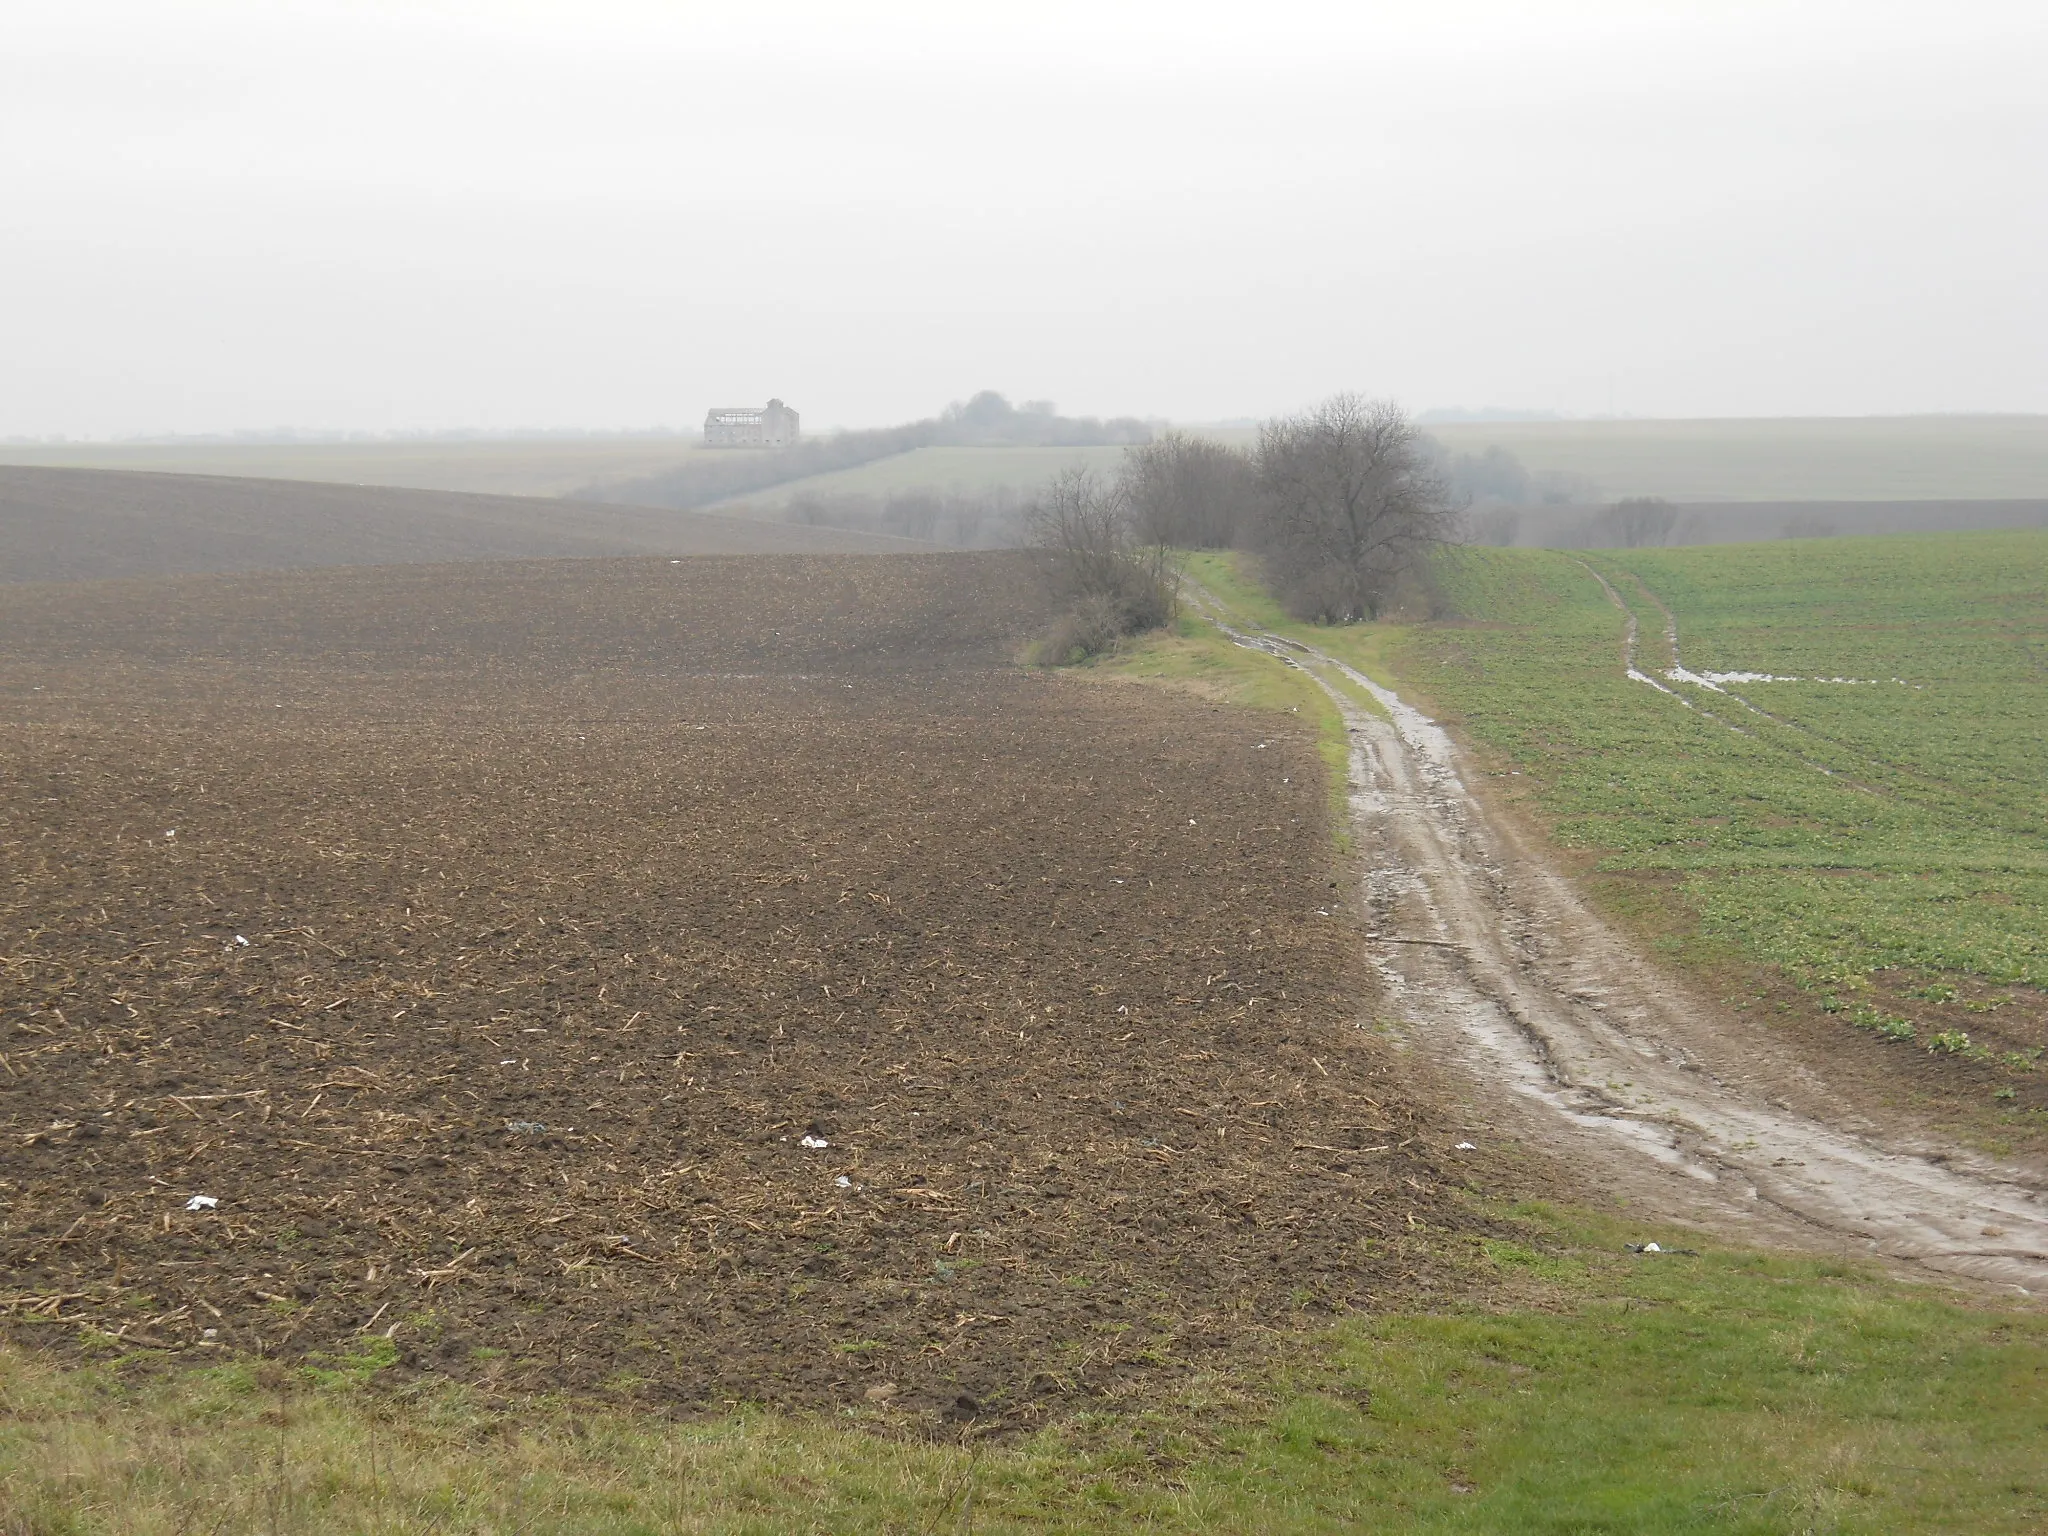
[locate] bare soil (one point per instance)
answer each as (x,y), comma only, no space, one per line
(725,981)
(81,524)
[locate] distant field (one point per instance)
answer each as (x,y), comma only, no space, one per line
(1870,458)
(512,467)
(1927,458)
(1749,522)
(77,524)
(1848,460)
(961,470)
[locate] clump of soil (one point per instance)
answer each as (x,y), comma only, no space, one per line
(726,981)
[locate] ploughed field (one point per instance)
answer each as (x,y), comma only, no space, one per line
(708,981)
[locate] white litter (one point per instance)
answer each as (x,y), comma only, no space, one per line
(843,1182)
(1651,1248)
(241,941)
(202,1203)
(172,833)
(815,1143)
(1464,1146)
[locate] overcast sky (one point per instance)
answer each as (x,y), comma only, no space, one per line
(594,213)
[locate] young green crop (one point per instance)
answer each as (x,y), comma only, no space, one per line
(1889,807)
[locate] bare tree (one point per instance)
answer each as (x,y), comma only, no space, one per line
(1350,504)
(1188,492)
(1110,582)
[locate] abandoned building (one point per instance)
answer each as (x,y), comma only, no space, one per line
(773,425)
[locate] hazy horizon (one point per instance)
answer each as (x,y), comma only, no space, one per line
(334,218)
(1427,418)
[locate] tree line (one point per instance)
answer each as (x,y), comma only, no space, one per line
(1340,504)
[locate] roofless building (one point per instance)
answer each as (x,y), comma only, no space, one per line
(773,425)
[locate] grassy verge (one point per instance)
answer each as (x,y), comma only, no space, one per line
(1713,1391)
(1368,647)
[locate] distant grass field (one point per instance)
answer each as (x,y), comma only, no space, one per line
(537,466)
(1718,1391)
(1871,458)
(961,470)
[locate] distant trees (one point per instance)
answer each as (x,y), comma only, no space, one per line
(1340,503)
(1642,520)
(1108,578)
(988,418)
(1634,522)
(1495,477)
(1350,502)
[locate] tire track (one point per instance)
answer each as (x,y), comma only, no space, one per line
(1498,970)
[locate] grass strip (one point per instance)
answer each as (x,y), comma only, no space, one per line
(1714,1390)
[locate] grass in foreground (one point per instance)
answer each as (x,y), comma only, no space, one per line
(1721,1391)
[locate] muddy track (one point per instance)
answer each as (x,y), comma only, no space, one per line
(1496,969)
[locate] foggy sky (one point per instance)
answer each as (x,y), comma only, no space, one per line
(219,215)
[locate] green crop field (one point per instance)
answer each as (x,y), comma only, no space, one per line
(1866,826)
(1869,458)
(1896,818)
(969,471)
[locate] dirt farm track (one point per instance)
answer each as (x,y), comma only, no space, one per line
(727,979)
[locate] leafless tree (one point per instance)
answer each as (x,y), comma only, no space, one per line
(1188,492)
(1109,581)
(1350,504)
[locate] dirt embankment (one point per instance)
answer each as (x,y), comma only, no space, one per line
(706,982)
